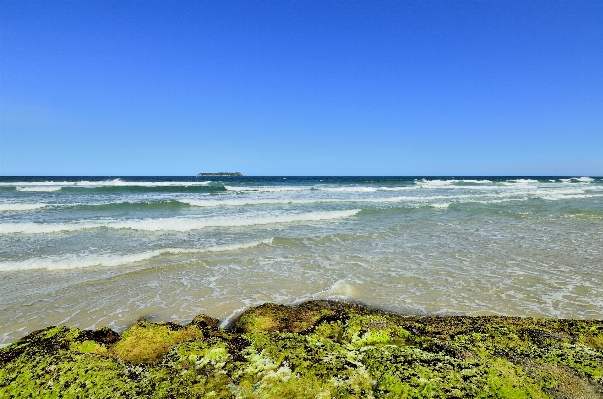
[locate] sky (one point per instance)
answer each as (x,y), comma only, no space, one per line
(301,87)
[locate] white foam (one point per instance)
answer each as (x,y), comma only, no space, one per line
(232,315)
(340,289)
(20,207)
(39,188)
(269,201)
(437,183)
(556,197)
(351,189)
(175,223)
(269,188)
(246,201)
(440,205)
(585,179)
(42,228)
(520,182)
(344,189)
(476,181)
(417,198)
(81,261)
(57,185)
(121,183)
(400,188)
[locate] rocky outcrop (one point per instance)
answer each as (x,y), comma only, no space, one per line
(322,349)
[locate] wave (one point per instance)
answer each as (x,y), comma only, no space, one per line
(476,181)
(50,186)
(39,188)
(341,289)
(209,189)
(159,204)
(556,197)
(398,188)
(163,204)
(355,189)
(520,182)
(585,179)
(269,188)
(82,261)
(230,201)
(342,189)
(173,224)
(106,183)
(122,183)
(361,189)
(250,201)
(437,183)
(20,207)
(285,201)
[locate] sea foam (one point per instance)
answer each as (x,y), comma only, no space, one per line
(58,185)
(39,188)
(82,261)
(173,224)
(20,207)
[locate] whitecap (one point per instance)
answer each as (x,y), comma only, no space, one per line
(353,189)
(556,197)
(20,207)
(285,201)
(81,261)
(400,188)
(175,223)
(246,201)
(57,185)
(476,181)
(269,188)
(585,179)
(122,183)
(437,183)
(520,182)
(39,188)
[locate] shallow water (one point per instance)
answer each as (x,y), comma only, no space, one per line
(106,251)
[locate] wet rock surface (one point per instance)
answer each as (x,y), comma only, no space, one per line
(324,349)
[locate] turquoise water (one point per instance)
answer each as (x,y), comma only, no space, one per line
(106,251)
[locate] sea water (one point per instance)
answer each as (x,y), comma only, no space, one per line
(107,251)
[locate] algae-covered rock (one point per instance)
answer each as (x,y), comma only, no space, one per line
(319,349)
(148,342)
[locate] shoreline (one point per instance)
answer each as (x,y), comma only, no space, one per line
(320,348)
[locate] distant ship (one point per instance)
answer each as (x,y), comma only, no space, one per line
(220,174)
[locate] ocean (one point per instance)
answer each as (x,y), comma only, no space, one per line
(93,251)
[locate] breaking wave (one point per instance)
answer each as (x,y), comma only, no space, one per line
(173,224)
(81,261)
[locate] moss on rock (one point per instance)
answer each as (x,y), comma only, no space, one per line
(321,349)
(148,342)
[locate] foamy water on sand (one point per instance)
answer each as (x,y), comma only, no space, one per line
(106,251)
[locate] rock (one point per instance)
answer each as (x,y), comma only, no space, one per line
(317,349)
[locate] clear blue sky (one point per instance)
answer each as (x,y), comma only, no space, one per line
(301,87)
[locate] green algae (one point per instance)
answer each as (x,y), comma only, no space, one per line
(319,349)
(148,342)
